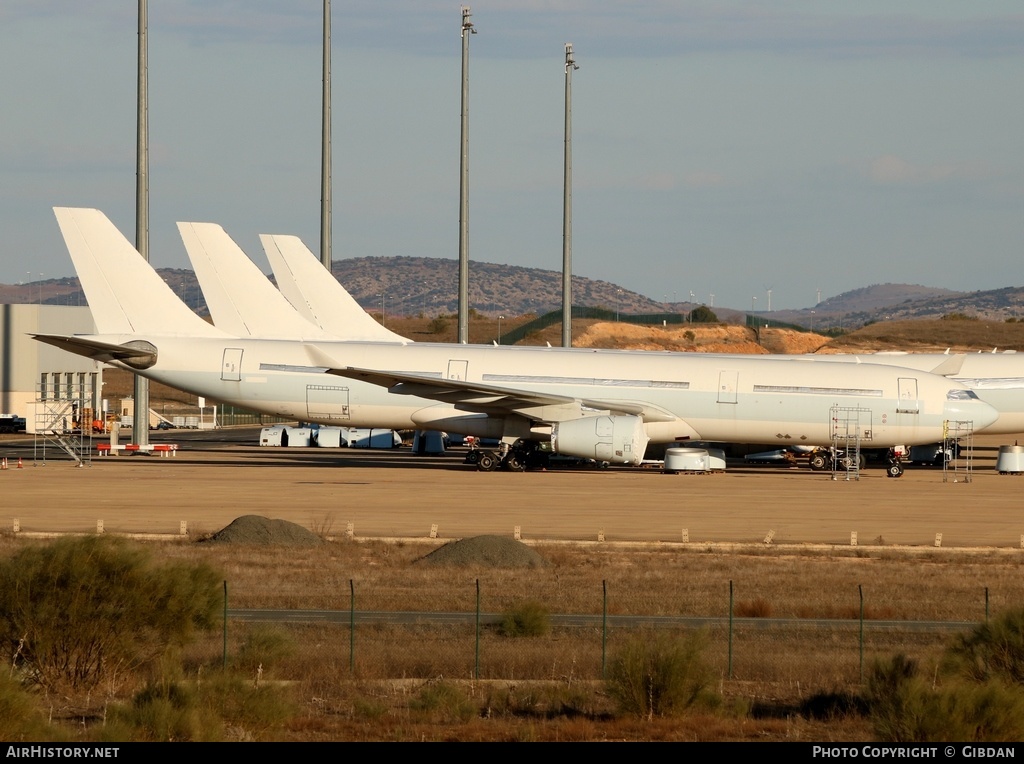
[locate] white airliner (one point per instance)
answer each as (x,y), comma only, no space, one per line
(997,378)
(597,404)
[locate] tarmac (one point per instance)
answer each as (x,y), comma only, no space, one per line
(217,476)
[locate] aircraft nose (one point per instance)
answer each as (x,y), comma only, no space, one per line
(973,410)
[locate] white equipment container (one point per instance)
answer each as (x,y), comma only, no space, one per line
(687,460)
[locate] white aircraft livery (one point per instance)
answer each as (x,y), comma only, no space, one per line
(599,404)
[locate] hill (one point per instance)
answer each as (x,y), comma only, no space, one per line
(421,286)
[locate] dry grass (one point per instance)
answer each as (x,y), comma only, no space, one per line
(933,336)
(944,585)
(549,688)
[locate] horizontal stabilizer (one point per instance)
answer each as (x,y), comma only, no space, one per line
(142,355)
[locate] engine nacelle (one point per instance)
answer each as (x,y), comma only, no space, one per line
(616,439)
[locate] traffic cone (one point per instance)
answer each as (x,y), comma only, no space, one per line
(3,464)
(19,462)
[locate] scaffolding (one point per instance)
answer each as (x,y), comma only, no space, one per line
(850,427)
(957,450)
(65,408)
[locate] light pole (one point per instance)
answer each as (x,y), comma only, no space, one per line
(467,30)
(618,304)
(499,328)
(40,289)
(753,304)
(382,321)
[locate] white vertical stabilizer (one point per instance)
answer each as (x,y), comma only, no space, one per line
(241,299)
(125,294)
(317,295)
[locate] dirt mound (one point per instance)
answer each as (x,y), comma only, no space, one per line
(708,338)
(485,552)
(788,341)
(254,529)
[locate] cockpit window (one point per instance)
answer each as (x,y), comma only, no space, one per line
(961,395)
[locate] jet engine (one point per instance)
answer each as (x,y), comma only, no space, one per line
(616,439)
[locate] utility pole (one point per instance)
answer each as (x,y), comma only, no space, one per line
(140,421)
(467,30)
(325,146)
(570,64)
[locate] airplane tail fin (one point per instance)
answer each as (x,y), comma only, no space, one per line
(241,299)
(125,294)
(317,295)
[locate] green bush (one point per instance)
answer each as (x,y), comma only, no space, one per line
(20,718)
(266,647)
(219,708)
(702,314)
(661,675)
(906,708)
(80,611)
(993,649)
(527,619)
(443,703)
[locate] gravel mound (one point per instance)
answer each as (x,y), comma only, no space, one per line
(486,552)
(254,529)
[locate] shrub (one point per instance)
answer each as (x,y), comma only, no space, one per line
(702,314)
(528,619)
(660,675)
(443,703)
(264,646)
(993,649)
(20,719)
(905,708)
(214,709)
(81,611)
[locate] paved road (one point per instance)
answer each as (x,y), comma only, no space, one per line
(219,476)
(408,618)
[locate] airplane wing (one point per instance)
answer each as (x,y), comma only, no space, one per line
(483,398)
(134,353)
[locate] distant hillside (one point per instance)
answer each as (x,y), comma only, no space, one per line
(411,286)
(898,302)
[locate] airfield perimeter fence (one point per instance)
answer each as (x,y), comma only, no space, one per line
(830,645)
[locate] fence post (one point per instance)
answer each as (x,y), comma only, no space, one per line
(225,649)
(860,590)
(352,627)
(476,670)
(604,625)
(730,628)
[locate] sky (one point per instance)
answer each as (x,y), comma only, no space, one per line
(719,148)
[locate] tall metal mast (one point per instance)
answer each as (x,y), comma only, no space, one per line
(570,64)
(325,143)
(140,420)
(467,29)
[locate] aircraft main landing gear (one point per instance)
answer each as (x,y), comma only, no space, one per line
(895,468)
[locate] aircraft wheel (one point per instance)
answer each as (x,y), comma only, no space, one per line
(514,463)
(818,461)
(895,470)
(486,462)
